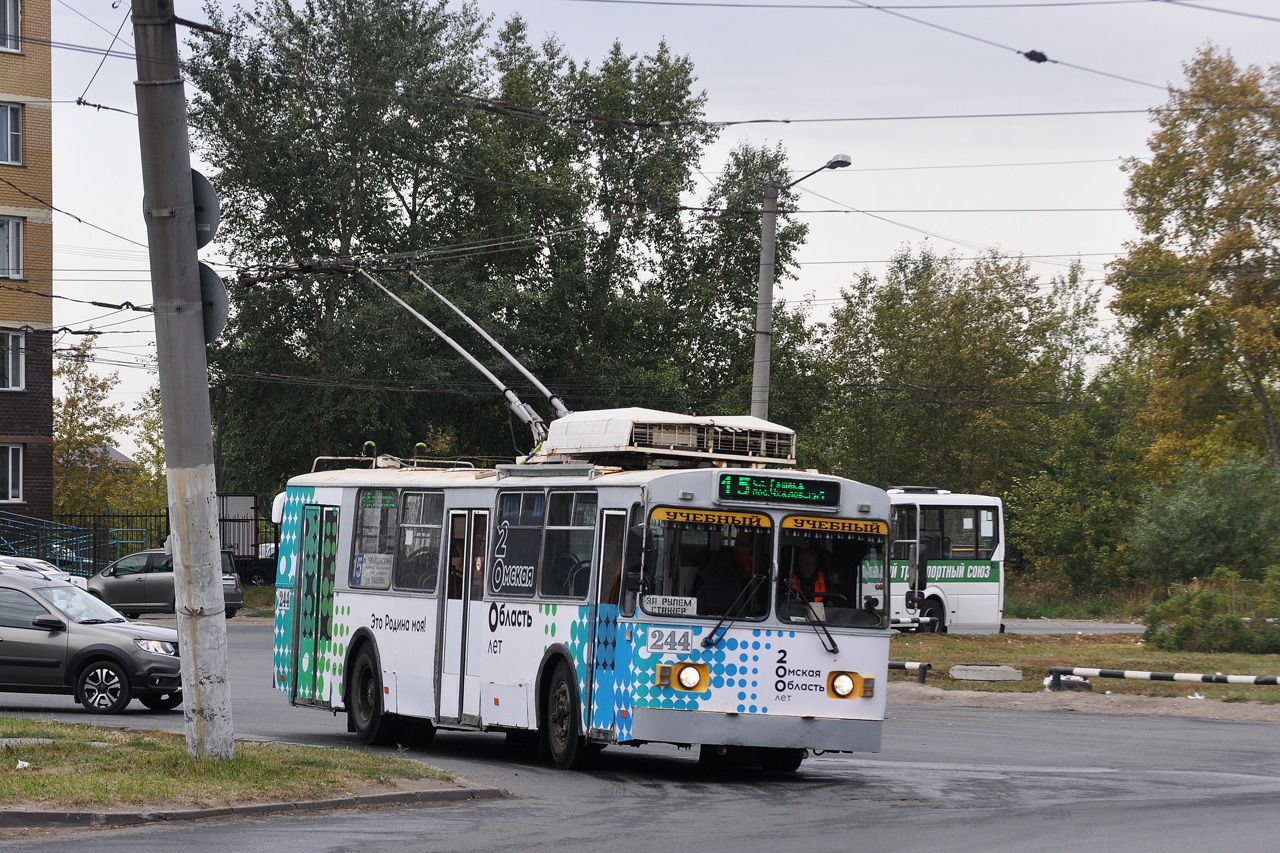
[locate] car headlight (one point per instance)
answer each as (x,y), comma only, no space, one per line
(689,677)
(158,647)
(842,685)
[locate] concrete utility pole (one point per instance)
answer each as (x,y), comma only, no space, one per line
(764,287)
(184,381)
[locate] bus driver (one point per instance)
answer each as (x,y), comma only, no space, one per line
(808,579)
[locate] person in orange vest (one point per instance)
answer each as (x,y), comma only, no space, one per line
(808,579)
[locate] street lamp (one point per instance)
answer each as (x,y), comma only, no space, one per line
(764,297)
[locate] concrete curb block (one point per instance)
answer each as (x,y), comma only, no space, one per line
(18,819)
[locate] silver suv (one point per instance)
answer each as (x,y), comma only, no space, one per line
(57,638)
(143,583)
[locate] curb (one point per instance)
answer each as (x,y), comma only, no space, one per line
(17,819)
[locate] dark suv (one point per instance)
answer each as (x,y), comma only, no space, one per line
(143,583)
(57,638)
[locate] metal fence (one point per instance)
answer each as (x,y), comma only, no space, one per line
(83,543)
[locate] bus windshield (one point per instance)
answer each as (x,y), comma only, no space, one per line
(833,576)
(700,566)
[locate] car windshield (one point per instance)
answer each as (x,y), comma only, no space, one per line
(78,605)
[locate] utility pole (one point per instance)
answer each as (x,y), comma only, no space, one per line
(764,287)
(184,381)
(764,305)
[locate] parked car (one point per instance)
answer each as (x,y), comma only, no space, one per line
(41,567)
(143,583)
(57,638)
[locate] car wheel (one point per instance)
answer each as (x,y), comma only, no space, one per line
(162,702)
(231,612)
(370,723)
(103,687)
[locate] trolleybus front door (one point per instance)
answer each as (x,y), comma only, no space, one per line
(601,702)
(464,583)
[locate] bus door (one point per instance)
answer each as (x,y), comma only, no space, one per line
(600,700)
(459,688)
(313,604)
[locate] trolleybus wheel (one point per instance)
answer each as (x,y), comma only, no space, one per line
(933,608)
(561,718)
(777,760)
(371,725)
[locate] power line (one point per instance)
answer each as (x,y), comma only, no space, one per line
(1184,4)
(49,205)
(1050,4)
(103,60)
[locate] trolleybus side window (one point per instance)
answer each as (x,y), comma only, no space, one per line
(517,544)
(375,539)
(566,553)
(421,532)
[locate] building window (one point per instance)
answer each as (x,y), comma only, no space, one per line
(13,356)
(10,473)
(10,22)
(10,248)
(10,132)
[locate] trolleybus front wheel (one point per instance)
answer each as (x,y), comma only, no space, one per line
(561,720)
(777,760)
(368,721)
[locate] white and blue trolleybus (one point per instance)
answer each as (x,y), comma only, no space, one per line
(642,577)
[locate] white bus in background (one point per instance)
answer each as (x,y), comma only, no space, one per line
(962,539)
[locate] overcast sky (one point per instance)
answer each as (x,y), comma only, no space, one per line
(949,127)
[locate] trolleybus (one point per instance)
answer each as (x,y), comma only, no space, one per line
(961,540)
(633,581)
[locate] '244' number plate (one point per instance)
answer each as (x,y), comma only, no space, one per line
(670,640)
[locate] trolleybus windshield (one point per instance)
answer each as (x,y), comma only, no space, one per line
(833,571)
(701,561)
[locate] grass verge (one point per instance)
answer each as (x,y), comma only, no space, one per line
(259,600)
(84,767)
(1033,654)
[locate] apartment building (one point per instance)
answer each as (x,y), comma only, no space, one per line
(26,260)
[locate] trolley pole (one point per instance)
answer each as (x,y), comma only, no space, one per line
(184,381)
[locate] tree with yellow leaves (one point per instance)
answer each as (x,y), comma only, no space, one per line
(1201,288)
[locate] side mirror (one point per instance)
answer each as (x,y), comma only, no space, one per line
(48,623)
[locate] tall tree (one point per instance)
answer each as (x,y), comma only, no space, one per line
(541,194)
(945,374)
(1201,288)
(85,426)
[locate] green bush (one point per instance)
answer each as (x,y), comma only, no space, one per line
(1224,515)
(1226,613)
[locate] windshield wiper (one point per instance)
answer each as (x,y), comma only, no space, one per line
(731,612)
(92,621)
(819,624)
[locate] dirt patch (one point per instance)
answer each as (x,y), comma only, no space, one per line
(1084,701)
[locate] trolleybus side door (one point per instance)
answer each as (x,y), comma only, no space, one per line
(313,598)
(464,583)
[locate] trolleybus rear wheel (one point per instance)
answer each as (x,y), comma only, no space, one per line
(561,719)
(371,725)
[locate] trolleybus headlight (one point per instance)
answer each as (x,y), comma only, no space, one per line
(842,685)
(689,677)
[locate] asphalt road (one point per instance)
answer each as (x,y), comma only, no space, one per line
(948,778)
